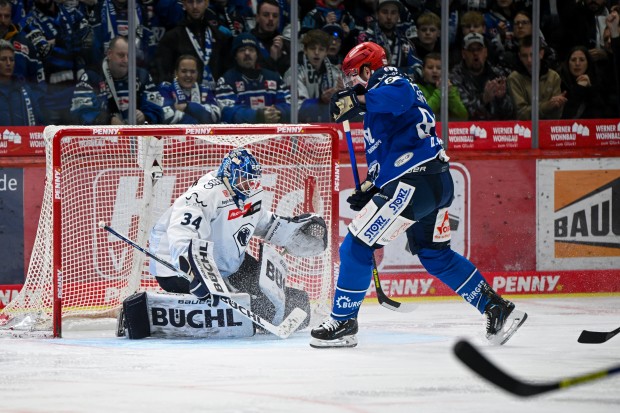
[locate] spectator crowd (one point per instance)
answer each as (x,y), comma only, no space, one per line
(228,61)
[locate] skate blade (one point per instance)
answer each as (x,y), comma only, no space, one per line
(515,320)
(343,342)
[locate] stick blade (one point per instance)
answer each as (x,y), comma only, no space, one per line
(291,323)
(386,301)
(396,306)
(596,337)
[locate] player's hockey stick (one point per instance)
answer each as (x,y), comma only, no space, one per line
(473,359)
(596,337)
(383,299)
(283,330)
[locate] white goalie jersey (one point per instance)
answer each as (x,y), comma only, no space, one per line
(207,211)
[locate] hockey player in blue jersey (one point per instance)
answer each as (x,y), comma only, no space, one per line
(408,189)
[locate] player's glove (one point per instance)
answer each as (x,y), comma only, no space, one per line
(362,196)
(345,105)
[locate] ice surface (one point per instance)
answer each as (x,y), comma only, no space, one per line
(404,363)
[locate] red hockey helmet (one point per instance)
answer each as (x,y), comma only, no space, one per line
(364,54)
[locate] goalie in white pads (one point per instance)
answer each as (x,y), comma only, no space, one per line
(225,207)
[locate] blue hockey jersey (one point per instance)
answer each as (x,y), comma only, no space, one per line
(399,126)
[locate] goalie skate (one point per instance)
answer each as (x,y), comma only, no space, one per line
(502,320)
(334,334)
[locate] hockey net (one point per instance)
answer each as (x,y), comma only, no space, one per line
(127,177)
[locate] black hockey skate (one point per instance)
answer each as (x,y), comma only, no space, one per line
(503,320)
(334,333)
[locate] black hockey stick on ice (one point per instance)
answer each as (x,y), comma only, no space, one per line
(596,337)
(283,330)
(473,359)
(383,299)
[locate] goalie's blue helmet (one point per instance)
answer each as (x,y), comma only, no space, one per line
(241,172)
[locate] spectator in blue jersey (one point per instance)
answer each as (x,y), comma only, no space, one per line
(19,103)
(408,190)
(317,79)
(158,16)
(248,93)
(115,22)
(28,65)
(102,95)
(63,38)
(186,101)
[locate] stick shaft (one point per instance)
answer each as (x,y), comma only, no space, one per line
(347,133)
(139,248)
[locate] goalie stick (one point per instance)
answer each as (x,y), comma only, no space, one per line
(473,359)
(283,330)
(596,337)
(383,299)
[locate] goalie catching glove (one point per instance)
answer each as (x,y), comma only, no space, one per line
(345,105)
(301,236)
(362,196)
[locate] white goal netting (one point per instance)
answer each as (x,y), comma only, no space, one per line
(127,177)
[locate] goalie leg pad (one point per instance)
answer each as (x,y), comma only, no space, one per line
(165,315)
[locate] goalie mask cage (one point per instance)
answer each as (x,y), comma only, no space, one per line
(127,177)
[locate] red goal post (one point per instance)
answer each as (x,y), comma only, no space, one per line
(127,177)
